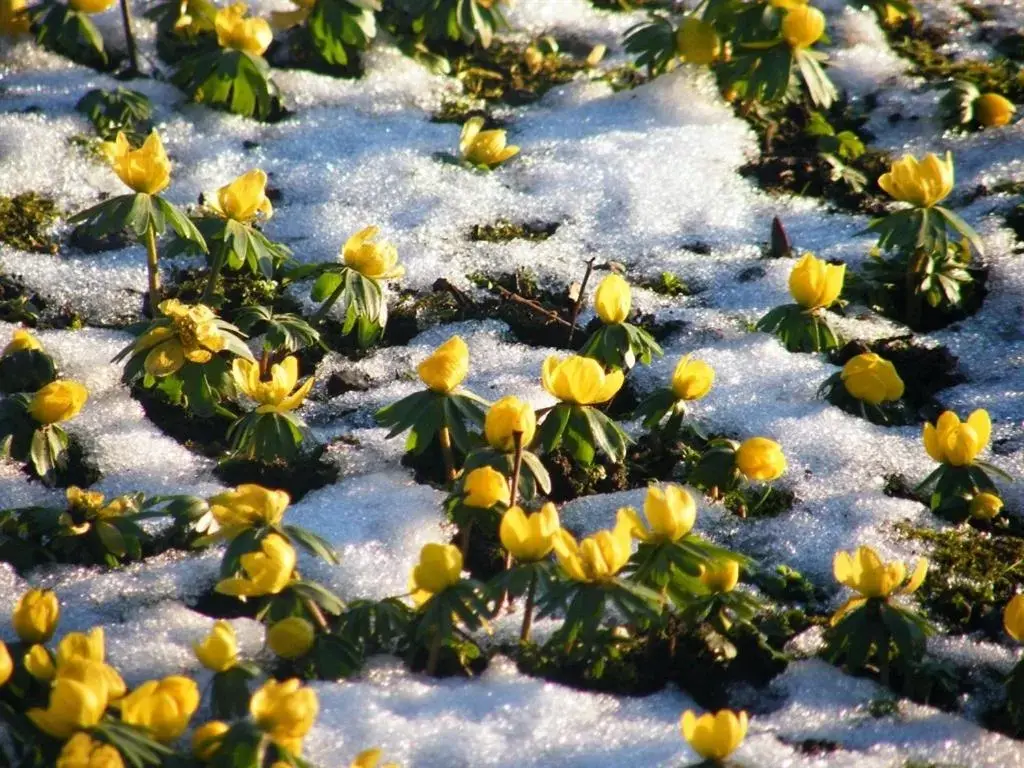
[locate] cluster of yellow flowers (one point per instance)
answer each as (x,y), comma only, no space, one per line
(57,401)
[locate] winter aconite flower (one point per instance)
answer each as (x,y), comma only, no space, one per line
(714,737)
(370,758)
(73,706)
(378,261)
(440,567)
(529,538)
(580,380)
(244,199)
(193,336)
(252,35)
(21,341)
(957,443)
(446,367)
(39,663)
(486,148)
(218,651)
(285,711)
(670,513)
(506,417)
(803,26)
(721,577)
(697,42)
(986,506)
(1013,618)
(162,707)
(267,572)
(864,572)
(91,6)
(36,615)
(291,638)
(484,487)
(14,20)
(692,379)
(276,394)
(6,664)
(992,110)
(58,401)
(612,299)
(207,738)
(81,656)
(814,283)
(146,170)
(597,558)
(922,184)
(761,459)
(82,751)
(247,506)
(872,379)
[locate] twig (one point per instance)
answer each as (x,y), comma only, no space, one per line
(579,298)
(531,597)
(460,296)
(553,317)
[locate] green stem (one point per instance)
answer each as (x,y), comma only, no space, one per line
(129,37)
(215,269)
(153,265)
(435,653)
(531,598)
(445,437)
(464,544)
(319,316)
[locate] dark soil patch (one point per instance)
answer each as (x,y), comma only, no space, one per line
(78,469)
(308,473)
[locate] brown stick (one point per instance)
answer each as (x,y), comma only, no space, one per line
(445,437)
(531,598)
(553,317)
(579,299)
(317,614)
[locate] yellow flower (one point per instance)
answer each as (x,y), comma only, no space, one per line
(370,758)
(6,664)
(1013,618)
(446,367)
(612,299)
(39,663)
(992,110)
(922,184)
(597,558)
(891,15)
(579,380)
(481,147)
(506,417)
(74,706)
(760,459)
(957,443)
(803,26)
(815,283)
(267,572)
(81,656)
(697,42)
(146,169)
(788,5)
(529,538)
(864,571)
(252,35)
(35,615)
(714,737)
(162,707)
(91,6)
(692,379)
(484,487)
(872,379)
(285,712)
(82,751)
(218,651)
(207,738)
(192,336)
(986,506)
(291,638)
(275,395)
(14,21)
(670,512)
(378,261)
(245,198)
(440,567)
(21,340)
(57,401)
(247,506)
(721,577)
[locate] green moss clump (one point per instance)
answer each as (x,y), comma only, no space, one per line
(754,502)
(503,231)
(999,76)
(667,284)
(24,220)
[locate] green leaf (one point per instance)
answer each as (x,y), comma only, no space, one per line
(325,286)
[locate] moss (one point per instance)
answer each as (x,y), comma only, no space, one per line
(632,5)
(24,221)
(234,290)
(571,480)
(503,231)
(887,707)
(754,502)
(667,284)
(972,575)
(999,75)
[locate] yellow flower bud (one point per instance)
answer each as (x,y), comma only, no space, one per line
(803,26)
(276,395)
(481,147)
(692,379)
(815,283)
(39,663)
(865,572)
(670,513)
(378,261)
(73,706)
(992,110)
(370,758)
(951,442)
(714,737)
(252,35)
(267,572)
(6,663)
(484,487)
(207,739)
(445,369)
(57,401)
(291,638)
(872,379)
(597,558)
(285,711)
(721,577)
(580,380)
(612,299)
(162,707)
(506,417)
(697,42)
(218,651)
(36,615)
(529,538)
(21,340)
(1013,618)
(91,6)
(81,751)
(986,506)
(245,198)
(440,567)
(146,169)
(760,459)
(922,184)
(247,506)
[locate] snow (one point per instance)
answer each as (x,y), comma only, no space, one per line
(635,177)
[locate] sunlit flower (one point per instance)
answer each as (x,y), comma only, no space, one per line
(291,638)
(697,42)
(484,487)
(714,737)
(146,170)
(278,393)
(244,199)
(815,283)
(597,558)
(872,379)
(378,261)
(446,367)
(35,615)
(58,401)
(957,443)
(481,147)
(612,299)
(82,751)
(21,340)
(993,110)
(986,506)
(285,711)
(923,183)
(579,380)
(529,538)
(1013,618)
(440,567)
(761,459)
(247,506)
(207,738)
(721,577)
(252,35)
(267,571)
(670,513)
(803,26)
(162,707)
(866,573)
(218,651)
(506,417)
(692,379)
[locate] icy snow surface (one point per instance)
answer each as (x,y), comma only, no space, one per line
(646,177)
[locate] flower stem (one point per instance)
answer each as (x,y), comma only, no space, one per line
(215,269)
(445,437)
(319,316)
(152,264)
(517,466)
(317,614)
(531,598)
(464,544)
(129,38)
(434,654)
(579,299)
